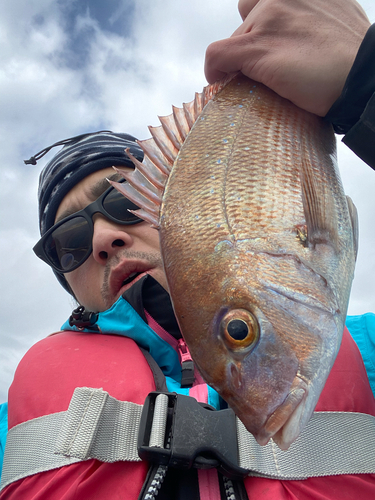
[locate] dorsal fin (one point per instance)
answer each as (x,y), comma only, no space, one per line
(146,183)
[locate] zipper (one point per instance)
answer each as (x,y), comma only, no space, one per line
(228,488)
(187,364)
(157,481)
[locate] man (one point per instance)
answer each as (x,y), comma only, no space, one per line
(110,261)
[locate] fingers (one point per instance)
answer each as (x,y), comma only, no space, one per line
(301,49)
(245,6)
(233,54)
(225,56)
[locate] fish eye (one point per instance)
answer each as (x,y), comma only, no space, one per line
(240,329)
(237,329)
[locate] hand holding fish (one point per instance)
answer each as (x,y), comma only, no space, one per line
(301,49)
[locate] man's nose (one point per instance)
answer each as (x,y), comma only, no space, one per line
(108,238)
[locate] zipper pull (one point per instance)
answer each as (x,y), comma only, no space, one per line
(187,364)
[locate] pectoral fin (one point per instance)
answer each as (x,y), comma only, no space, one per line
(319,208)
(355,224)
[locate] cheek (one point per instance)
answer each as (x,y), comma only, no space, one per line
(151,237)
(86,288)
(74,279)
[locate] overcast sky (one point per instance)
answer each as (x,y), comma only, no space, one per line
(73,66)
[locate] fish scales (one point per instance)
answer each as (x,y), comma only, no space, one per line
(215,182)
(258,245)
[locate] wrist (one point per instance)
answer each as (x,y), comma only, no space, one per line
(353,114)
(358,89)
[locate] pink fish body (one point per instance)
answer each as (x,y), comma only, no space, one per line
(258,242)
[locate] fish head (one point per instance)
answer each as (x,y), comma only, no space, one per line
(269,346)
(259,376)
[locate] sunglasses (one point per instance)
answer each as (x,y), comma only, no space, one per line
(68,243)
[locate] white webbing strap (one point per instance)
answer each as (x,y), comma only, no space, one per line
(94,426)
(30,449)
(99,426)
(333,443)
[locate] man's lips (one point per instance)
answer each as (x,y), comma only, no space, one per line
(132,277)
(129,283)
(125,275)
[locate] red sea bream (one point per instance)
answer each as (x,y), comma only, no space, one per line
(258,242)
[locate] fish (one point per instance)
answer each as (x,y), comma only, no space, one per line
(258,242)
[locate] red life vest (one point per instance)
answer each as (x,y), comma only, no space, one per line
(48,374)
(347,389)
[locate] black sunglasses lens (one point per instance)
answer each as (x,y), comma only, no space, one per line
(69,244)
(117,206)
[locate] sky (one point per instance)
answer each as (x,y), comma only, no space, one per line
(75,66)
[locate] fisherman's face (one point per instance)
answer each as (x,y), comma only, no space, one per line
(119,251)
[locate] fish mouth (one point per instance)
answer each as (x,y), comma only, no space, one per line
(286,422)
(294,425)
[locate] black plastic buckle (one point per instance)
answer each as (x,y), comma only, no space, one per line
(83,319)
(196,435)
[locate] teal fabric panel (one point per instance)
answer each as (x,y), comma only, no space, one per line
(214,399)
(362,329)
(3,431)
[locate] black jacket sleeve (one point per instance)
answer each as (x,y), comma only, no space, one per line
(353,114)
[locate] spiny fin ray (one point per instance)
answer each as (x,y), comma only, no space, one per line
(136,197)
(181,122)
(149,170)
(151,219)
(198,104)
(146,184)
(154,154)
(170,128)
(136,179)
(164,143)
(189,113)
